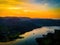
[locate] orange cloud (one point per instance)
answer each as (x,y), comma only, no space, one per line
(23,9)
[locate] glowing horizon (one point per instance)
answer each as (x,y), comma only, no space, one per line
(23,8)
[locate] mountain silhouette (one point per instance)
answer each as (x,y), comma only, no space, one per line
(12,27)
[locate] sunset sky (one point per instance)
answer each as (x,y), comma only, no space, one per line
(30,8)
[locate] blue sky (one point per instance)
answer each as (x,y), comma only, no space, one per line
(53,3)
(48,1)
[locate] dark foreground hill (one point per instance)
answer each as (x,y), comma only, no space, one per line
(11,28)
(50,39)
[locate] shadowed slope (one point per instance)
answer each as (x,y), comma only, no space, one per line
(11,28)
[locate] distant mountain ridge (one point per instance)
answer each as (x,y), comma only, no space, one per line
(36,21)
(12,27)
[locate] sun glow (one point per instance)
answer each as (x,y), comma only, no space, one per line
(25,9)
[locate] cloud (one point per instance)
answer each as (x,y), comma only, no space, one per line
(53,3)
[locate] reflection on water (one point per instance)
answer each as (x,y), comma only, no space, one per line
(32,35)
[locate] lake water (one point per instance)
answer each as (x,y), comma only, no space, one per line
(32,35)
(29,37)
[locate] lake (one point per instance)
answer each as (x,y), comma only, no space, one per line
(29,37)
